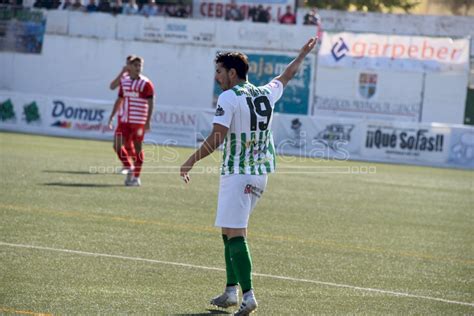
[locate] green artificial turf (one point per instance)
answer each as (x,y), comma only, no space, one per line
(76,242)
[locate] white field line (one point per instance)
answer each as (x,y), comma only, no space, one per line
(271,276)
(174,169)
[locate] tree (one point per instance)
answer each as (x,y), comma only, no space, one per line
(364,5)
(459,7)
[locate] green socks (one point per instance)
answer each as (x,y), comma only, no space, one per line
(241,262)
(231,278)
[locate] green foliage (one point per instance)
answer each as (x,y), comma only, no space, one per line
(459,7)
(31,112)
(7,111)
(363,5)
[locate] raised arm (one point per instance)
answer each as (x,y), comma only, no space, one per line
(116,82)
(294,65)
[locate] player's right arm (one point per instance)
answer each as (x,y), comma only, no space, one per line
(221,124)
(294,65)
(212,142)
(116,82)
(117,105)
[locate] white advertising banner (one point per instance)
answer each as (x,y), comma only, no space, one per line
(176,126)
(19,113)
(55,116)
(323,138)
(439,145)
(369,94)
(177,31)
(461,150)
(216,9)
(424,143)
(79,118)
(391,52)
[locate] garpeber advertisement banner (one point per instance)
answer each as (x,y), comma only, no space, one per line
(401,53)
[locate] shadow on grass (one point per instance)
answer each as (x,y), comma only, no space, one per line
(82,185)
(210,312)
(72,172)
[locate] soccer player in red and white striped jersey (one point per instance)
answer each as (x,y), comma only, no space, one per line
(118,138)
(136,98)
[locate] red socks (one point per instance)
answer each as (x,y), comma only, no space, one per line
(124,157)
(138,163)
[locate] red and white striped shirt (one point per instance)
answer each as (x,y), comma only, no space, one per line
(135,93)
(120,111)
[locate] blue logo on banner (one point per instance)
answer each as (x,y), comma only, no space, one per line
(339,49)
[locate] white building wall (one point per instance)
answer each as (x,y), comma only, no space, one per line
(444,92)
(82,53)
(84,68)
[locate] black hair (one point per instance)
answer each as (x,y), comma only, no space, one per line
(134,58)
(236,60)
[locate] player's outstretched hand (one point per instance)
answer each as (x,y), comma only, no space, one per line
(309,45)
(184,171)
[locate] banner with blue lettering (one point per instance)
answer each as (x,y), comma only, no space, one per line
(55,115)
(265,67)
(438,145)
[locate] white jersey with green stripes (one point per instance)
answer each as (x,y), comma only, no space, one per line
(247,111)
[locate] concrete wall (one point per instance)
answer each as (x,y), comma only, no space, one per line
(82,53)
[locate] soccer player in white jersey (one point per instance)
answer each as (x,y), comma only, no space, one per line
(242,122)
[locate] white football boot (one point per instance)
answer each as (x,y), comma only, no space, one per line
(249,304)
(123,171)
(229,298)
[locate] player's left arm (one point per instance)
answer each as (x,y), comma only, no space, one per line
(151,105)
(295,64)
(212,142)
(117,105)
(150,93)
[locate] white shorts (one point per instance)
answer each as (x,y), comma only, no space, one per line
(238,195)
